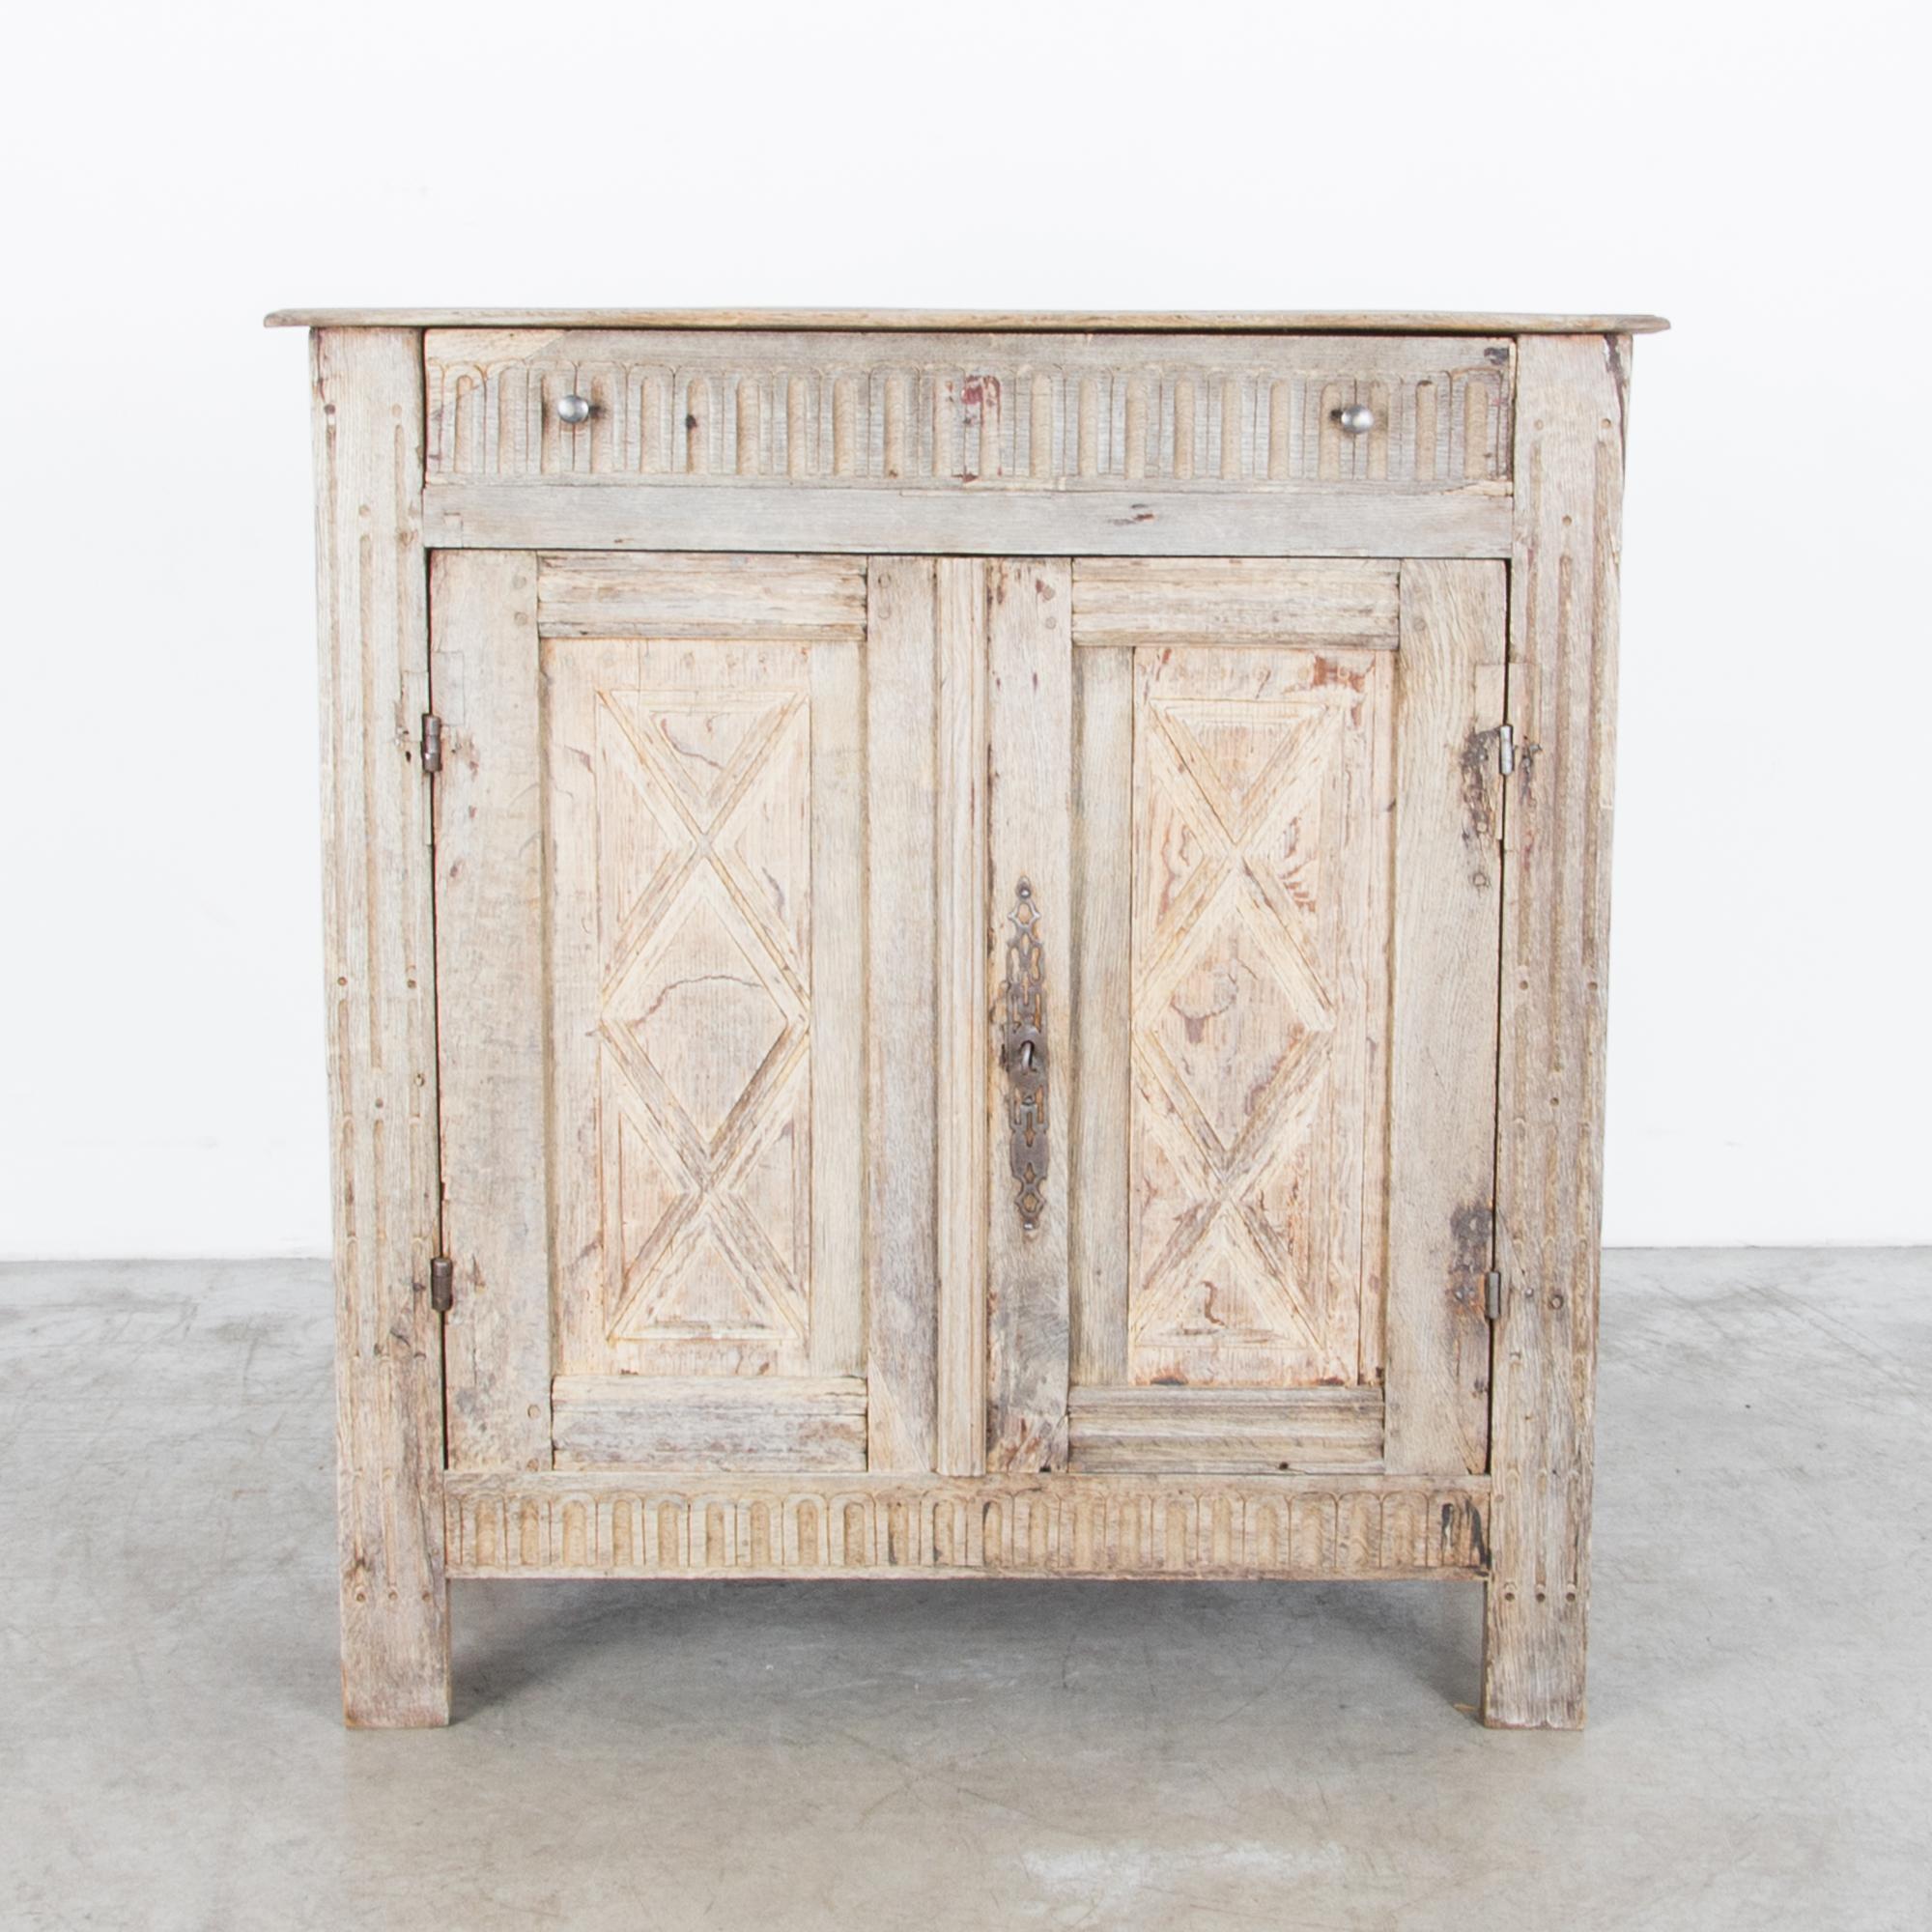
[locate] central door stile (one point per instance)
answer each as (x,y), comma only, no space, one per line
(959,616)
(1030,715)
(926,926)
(899,1097)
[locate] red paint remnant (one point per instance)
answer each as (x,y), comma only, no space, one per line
(1328,672)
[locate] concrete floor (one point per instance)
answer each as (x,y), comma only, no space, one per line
(983,1755)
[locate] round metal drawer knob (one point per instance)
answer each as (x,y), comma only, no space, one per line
(1356,420)
(573,409)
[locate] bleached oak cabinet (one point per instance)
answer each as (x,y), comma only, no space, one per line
(966,946)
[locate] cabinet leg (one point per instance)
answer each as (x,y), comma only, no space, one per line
(379,943)
(396,1611)
(1533,1658)
(1569,399)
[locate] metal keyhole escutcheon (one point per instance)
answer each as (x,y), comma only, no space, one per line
(1023,1055)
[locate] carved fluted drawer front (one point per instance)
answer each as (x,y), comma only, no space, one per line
(1001,411)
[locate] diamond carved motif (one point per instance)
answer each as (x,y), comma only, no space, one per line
(704,888)
(1233,1027)
(1243,784)
(700,1014)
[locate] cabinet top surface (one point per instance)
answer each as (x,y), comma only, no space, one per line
(1240,322)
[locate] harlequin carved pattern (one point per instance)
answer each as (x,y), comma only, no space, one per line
(703,873)
(884,410)
(1254,991)
(1066,1526)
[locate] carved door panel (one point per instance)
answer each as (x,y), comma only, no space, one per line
(1260,1233)
(656,1022)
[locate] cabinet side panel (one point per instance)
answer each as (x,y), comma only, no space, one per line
(380,1026)
(1448,868)
(490,997)
(1562,668)
(1031,709)
(902,1280)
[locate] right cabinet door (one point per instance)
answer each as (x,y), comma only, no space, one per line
(1269,1105)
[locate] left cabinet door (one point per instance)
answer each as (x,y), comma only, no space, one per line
(657,1035)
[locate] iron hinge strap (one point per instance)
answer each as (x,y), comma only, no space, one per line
(1493,1294)
(441,1284)
(432,742)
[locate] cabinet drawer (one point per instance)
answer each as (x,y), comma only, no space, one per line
(1192,412)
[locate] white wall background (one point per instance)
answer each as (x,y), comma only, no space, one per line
(173,172)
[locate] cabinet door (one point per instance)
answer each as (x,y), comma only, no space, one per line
(1245,837)
(662,1033)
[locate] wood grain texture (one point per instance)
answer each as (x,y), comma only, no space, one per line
(994,411)
(1319,519)
(1448,864)
(1030,682)
(1101,1085)
(960,1014)
(1228,1432)
(379,945)
(489,985)
(710,1422)
(902,1289)
(1233,601)
(1262,321)
(1260,963)
(683,1007)
(837,1339)
(882,1526)
(1562,683)
(799,600)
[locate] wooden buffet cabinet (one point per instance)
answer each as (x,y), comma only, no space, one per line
(966,946)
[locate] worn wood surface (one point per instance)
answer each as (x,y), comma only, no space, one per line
(378,939)
(960,1014)
(1030,686)
(1259,962)
(684,1007)
(1100,1090)
(836,1343)
(800,600)
(710,1422)
(1259,601)
(1265,321)
(489,880)
(901,1288)
(1319,519)
(1230,1432)
(996,410)
(612,1524)
(1562,688)
(1443,1066)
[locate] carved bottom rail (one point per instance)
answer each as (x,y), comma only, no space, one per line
(616,1525)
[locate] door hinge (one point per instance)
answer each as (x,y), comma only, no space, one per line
(441,1284)
(1506,748)
(1493,1294)
(432,742)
